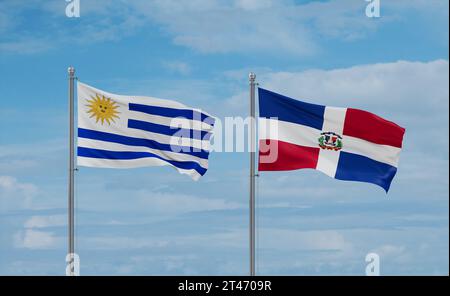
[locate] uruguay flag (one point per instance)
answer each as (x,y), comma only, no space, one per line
(116,131)
(344,143)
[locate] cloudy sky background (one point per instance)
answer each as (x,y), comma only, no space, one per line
(154,221)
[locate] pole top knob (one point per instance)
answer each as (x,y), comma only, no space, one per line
(252,76)
(71,70)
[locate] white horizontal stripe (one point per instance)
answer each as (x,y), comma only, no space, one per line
(288,132)
(96,144)
(306,136)
(176,122)
(131,163)
(382,153)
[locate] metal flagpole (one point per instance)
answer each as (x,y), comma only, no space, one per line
(71,206)
(252,78)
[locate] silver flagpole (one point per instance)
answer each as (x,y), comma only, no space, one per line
(71,207)
(252,78)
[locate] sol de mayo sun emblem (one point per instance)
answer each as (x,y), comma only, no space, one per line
(330,141)
(103,108)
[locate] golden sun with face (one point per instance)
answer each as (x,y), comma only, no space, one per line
(103,108)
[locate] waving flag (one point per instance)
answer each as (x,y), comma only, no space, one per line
(116,131)
(344,143)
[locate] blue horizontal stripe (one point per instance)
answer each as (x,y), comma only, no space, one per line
(172,112)
(167,130)
(286,109)
(127,155)
(354,167)
(131,141)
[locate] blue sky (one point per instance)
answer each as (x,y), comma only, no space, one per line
(154,221)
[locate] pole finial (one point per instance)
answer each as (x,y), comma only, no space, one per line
(71,70)
(252,76)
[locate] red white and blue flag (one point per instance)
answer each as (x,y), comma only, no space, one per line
(344,143)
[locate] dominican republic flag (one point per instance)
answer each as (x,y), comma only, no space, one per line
(344,143)
(120,131)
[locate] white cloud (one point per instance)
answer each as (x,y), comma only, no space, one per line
(97,192)
(268,238)
(431,6)
(108,21)
(26,45)
(121,242)
(20,158)
(219,27)
(45,221)
(33,239)
(398,83)
(15,195)
(236,238)
(209,26)
(215,26)
(390,251)
(283,239)
(254,4)
(178,67)
(5,21)
(159,202)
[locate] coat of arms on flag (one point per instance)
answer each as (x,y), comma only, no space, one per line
(330,140)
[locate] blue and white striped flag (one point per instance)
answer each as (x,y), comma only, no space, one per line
(116,131)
